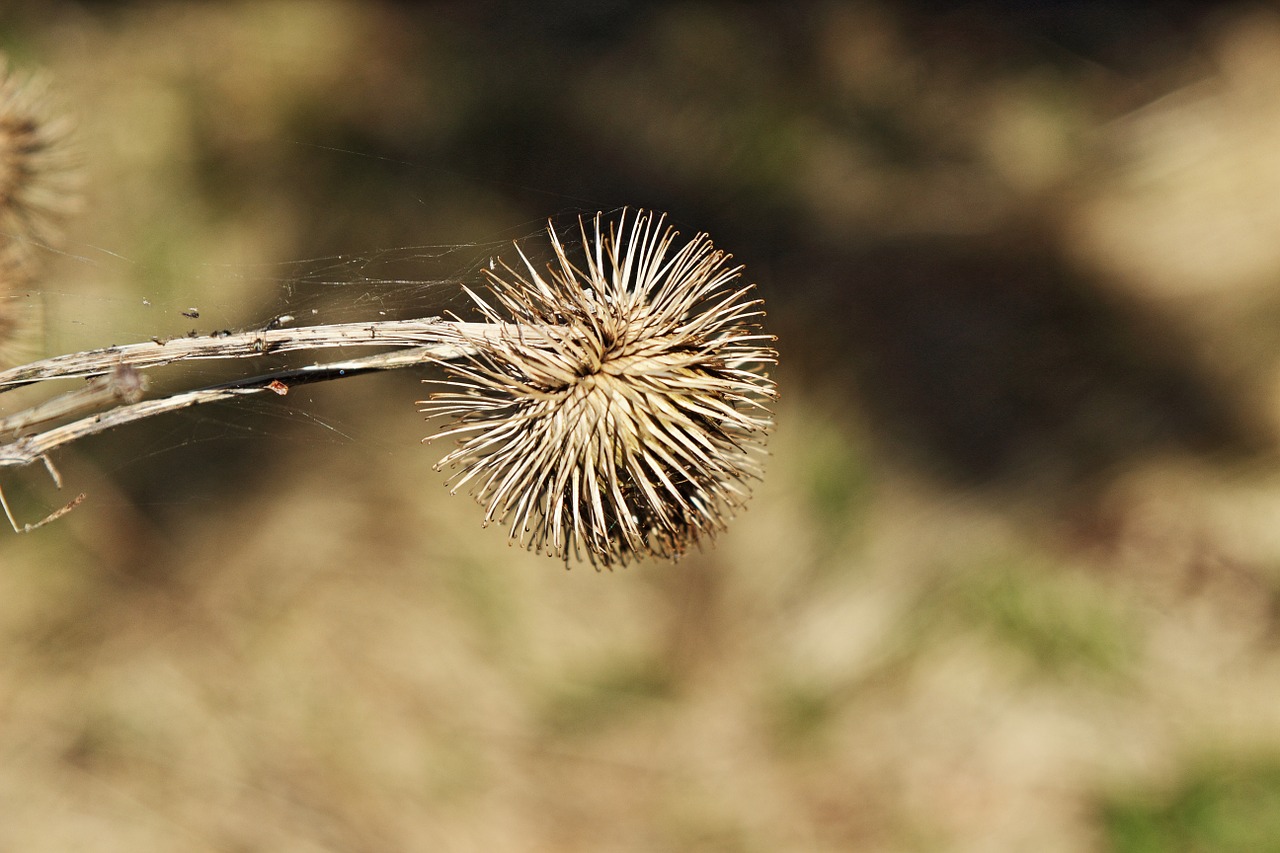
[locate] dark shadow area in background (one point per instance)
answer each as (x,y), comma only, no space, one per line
(990,362)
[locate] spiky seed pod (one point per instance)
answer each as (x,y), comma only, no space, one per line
(37,167)
(618,407)
(38,188)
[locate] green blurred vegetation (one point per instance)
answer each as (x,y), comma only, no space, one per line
(1227,808)
(1060,623)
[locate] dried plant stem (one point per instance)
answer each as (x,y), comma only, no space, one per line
(157,352)
(123,384)
(30,448)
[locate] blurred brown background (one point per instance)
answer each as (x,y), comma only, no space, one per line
(1011,582)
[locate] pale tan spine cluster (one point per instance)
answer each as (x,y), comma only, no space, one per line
(622,407)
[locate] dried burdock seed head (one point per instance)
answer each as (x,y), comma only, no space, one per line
(617,406)
(38,175)
(38,188)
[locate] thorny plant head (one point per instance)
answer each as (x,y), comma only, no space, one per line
(38,180)
(619,409)
(37,166)
(612,405)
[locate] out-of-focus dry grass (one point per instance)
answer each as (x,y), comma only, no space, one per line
(1010,583)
